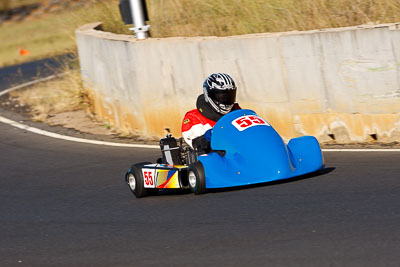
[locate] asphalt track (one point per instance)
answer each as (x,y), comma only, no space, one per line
(66,204)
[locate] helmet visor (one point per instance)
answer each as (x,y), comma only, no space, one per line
(226,97)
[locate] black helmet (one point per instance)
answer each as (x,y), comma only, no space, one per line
(220,92)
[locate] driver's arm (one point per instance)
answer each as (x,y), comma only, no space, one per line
(203,142)
(192,128)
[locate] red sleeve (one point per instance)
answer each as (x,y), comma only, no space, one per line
(189,120)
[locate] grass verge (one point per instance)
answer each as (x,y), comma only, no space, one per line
(234,17)
(53,34)
(61,94)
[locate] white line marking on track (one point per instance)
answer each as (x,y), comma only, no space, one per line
(70,138)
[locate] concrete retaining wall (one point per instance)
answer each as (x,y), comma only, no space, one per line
(338,83)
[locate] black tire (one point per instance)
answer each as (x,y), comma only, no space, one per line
(134,179)
(197,178)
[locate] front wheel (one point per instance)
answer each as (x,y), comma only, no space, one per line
(197,178)
(134,179)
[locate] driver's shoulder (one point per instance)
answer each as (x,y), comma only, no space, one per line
(195,117)
(194,113)
(191,117)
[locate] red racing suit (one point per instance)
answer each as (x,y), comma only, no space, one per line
(194,124)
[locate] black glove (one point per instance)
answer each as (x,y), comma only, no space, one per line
(201,145)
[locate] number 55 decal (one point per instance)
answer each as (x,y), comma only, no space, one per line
(248,121)
(148,178)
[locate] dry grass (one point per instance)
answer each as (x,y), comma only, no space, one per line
(234,17)
(53,34)
(105,11)
(55,96)
(42,38)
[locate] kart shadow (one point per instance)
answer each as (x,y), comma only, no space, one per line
(236,188)
(284,181)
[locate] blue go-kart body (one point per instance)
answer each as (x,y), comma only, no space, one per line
(255,153)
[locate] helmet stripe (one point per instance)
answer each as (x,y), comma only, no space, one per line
(225,78)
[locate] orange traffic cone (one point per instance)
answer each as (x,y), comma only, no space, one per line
(23,52)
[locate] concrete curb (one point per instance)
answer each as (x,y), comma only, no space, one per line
(336,84)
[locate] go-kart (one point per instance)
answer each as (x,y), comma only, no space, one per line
(245,150)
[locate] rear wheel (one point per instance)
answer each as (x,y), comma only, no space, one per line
(197,178)
(134,179)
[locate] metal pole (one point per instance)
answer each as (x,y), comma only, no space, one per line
(140,27)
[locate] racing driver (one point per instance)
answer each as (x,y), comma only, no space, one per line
(218,99)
